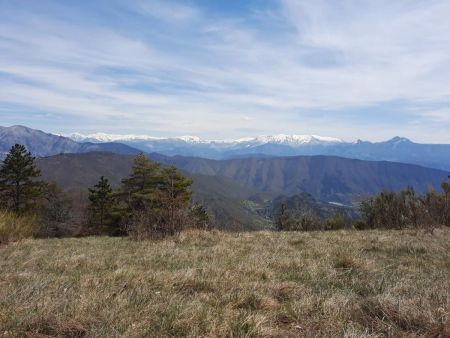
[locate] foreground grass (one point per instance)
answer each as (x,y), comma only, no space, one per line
(345,284)
(14,228)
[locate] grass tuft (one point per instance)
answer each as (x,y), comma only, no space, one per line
(262,284)
(14,228)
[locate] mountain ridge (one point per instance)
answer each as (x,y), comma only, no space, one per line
(396,149)
(261,139)
(42,144)
(329,178)
(235,191)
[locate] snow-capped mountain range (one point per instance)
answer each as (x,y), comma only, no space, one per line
(265,145)
(291,140)
(397,149)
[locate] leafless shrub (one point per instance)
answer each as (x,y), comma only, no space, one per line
(406,209)
(298,221)
(55,214)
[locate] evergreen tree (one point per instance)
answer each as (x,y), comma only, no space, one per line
(18,190)
(174,195)
(140,189)
(102,200)
(175,186)
(154,200)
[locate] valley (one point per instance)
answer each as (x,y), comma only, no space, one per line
(235,169)
(235,191)
(238,192)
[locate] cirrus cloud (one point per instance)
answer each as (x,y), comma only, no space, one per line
(175,68)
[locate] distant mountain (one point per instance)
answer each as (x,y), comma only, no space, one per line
(42,144)
(291,140)
(328,178)
(226,199)
(272,145)
(239,192)
(397,149)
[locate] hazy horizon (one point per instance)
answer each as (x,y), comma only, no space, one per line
(113,137)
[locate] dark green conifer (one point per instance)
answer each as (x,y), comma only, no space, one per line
(18,187)
(140,188)
(102,200)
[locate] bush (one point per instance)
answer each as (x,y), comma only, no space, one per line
(147,224)
(299,222)
(390,210)
(406,209)
(337,222)
(55,214)
(14,228)
(360,224)
(199,218)
(436,207)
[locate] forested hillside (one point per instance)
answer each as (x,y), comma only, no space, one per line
(237,191)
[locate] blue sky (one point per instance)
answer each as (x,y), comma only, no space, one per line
(225,69)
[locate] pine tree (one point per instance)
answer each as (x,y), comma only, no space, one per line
(102,200)
(18,190)
(140,189)
(175,186)
(154,199)
(174,195)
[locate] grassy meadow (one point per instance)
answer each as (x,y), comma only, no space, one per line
(213,284)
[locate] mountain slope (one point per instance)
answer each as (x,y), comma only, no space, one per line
(397,149)
(224,198)
(325,177)
(42,144)
(273,145)
(236,191)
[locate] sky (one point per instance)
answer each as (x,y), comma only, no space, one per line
(353,69)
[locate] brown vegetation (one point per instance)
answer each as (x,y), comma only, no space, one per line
(406,209)
(14,227)
(212,284)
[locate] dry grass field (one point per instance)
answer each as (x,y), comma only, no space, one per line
(263,284)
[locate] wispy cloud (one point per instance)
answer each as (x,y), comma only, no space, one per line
(175,68)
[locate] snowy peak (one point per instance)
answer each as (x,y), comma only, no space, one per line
(296,140)
(103,137)
(291,140)
(397,149)
(190,139)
